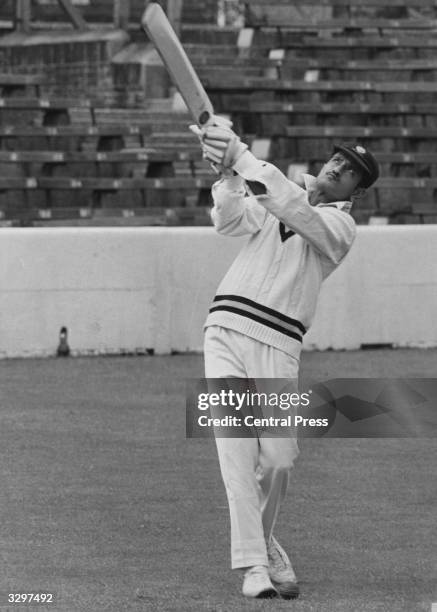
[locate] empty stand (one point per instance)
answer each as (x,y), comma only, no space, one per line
(302,76)
(297,78)
(72,160)
(20,84)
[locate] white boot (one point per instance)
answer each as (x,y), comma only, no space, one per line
(257,583)
(280,571)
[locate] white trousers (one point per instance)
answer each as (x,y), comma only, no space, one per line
(255,470)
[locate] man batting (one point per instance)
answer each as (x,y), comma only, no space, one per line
(263,307)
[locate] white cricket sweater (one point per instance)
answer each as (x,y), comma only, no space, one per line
(270,291)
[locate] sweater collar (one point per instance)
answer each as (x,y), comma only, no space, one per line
(310,180)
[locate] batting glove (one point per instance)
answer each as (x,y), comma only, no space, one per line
(208,154)
(222,146)
(220,122)
(215,120)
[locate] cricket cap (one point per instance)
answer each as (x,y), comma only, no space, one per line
(363,159)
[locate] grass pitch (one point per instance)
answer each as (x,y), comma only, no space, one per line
(102,496)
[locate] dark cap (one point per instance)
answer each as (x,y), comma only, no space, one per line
(363,159)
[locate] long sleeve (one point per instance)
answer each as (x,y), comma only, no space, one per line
(234,212)
(329,230)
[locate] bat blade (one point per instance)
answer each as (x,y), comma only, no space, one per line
(161,33)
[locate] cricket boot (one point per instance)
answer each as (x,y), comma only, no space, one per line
(280,571)
(257,583)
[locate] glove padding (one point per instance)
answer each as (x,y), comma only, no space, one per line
(215,120)
(222,146)
(209,152)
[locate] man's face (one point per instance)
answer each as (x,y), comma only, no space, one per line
(338,178)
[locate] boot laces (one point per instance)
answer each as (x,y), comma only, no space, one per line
(278,560)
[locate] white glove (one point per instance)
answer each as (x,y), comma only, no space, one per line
(215,120)
(220,121)
(222,146)
(207,152)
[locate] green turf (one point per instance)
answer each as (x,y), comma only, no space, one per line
(101,495)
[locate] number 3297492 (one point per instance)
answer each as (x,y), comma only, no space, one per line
(27,598)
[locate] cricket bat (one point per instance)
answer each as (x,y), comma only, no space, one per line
(161,33)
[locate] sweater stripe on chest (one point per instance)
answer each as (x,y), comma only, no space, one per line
(257,312)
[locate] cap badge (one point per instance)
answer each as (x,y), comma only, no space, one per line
(360,150)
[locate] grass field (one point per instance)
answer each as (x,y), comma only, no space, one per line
(102,495)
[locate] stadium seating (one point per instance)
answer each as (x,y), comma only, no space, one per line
(70,161)
(295,79)
(299,78)
(20,84)
(46,14)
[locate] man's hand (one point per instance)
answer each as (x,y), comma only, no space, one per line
(197,131)
(216,120)
(220,145)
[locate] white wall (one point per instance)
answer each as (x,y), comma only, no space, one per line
(129,289)
(384,292)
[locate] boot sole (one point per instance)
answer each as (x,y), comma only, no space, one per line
(266,594)
(287,590)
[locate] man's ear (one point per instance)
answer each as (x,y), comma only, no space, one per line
(358,193)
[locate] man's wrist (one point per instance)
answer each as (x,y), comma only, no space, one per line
(233,181)
(245,162)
